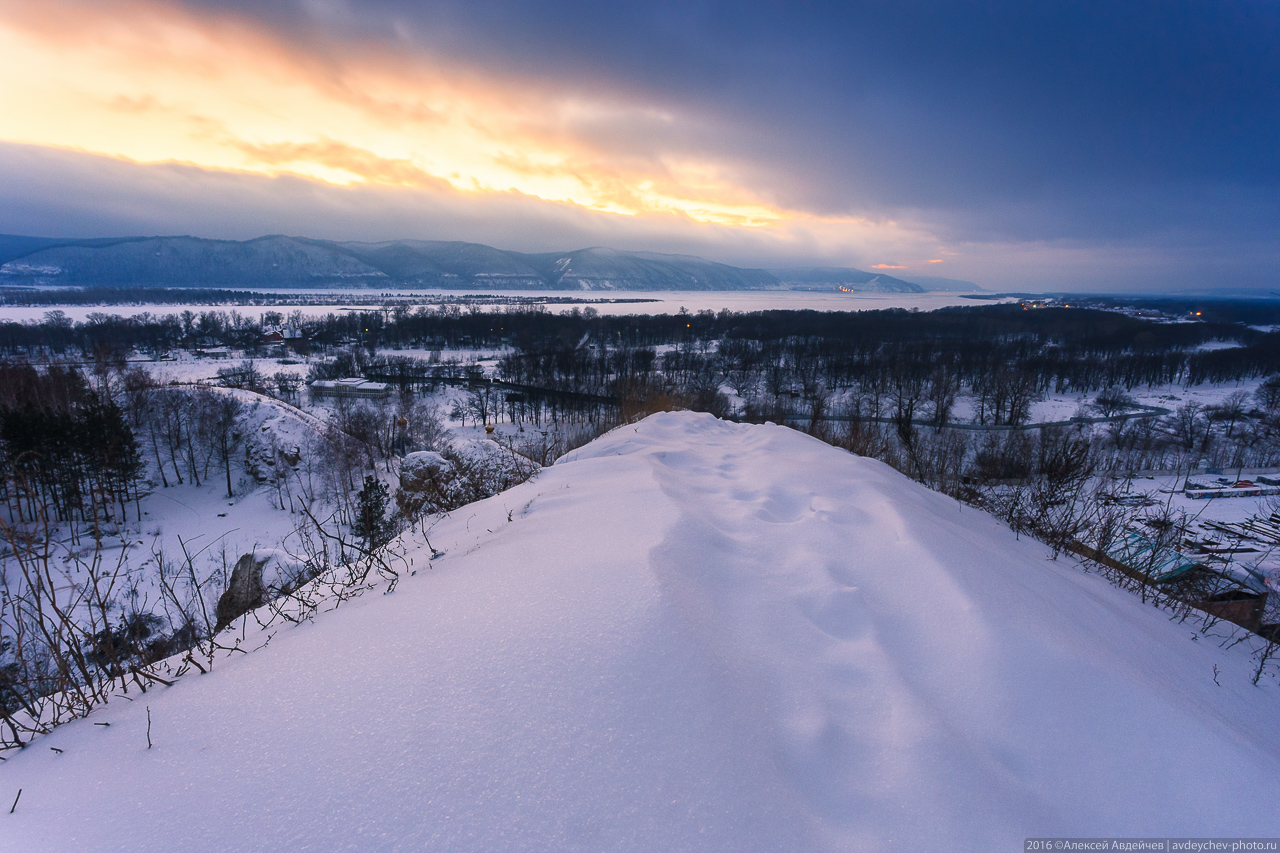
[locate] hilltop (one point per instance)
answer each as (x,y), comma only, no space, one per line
(688,634)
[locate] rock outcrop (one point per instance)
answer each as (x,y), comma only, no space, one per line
(246,591)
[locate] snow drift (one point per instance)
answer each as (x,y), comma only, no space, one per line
(688,635)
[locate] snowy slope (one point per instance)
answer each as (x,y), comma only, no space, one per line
(203,519)
(688,635)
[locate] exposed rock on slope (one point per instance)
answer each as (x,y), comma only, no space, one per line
(245,591)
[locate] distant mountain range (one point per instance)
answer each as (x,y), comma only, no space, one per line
(278,261)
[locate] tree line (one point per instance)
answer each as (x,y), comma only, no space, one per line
(1062,348)
(67,451)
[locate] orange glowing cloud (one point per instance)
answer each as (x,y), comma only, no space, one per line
(150,83)
(888,267)
(153,82)
(935,260)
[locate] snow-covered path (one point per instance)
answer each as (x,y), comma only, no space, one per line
(688,635)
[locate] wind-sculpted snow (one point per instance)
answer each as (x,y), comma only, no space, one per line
(688,635)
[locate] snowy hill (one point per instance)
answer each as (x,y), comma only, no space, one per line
(687,635)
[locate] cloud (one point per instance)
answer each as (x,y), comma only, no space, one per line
(1024,143)
(51,192)
(217,93)
(64,193)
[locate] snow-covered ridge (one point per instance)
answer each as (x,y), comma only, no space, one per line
(687,635)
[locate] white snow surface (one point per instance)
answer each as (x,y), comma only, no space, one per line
(687,635)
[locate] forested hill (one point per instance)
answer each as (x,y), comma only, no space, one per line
(279,261)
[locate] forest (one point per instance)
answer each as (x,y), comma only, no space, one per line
(947,398)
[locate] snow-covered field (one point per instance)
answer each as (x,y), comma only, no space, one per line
(183,366)
(1065,406)
(687,635)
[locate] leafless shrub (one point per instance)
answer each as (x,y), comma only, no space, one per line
(62,652)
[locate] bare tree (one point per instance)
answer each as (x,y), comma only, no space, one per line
(1189,427)
(941,395)
(1112,401)
(227,433)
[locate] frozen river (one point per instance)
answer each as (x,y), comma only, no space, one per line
(664,302)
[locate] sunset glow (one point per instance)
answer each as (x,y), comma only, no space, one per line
(723,130)
(219,94)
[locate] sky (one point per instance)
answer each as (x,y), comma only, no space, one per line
(1080,145)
